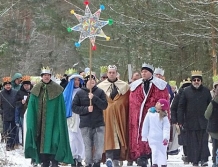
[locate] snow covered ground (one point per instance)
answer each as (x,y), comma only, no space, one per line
(16,158)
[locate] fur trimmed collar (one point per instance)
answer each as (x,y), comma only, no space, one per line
(53,89)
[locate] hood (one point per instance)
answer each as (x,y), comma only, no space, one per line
(16,75)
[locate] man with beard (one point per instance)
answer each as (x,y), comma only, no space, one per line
(192,105)
(144,94)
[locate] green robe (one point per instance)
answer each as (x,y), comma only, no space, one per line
(46,124)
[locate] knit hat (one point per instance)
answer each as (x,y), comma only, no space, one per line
(87,78)
(164,104)
(147,67)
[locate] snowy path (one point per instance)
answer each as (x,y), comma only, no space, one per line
(16,158)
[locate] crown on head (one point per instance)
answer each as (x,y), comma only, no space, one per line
(172,83)
(103,69)
(196,73)
(26,78)
(6,79)
(45,70)
(148,66)
(159,71)
(215,78)
(71,71)
(112,67)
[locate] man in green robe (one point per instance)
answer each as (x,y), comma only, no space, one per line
(46,131)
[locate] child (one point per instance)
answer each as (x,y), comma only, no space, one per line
(156,130)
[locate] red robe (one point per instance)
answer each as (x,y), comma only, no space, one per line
(137,147)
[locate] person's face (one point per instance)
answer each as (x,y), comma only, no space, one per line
(82,74)
(26,86)
(7,87)
(135,76)
(103,78)
(76,82)
(146,74)
(158,106)
(196,82)
(90,84)
(173,88)
(46,78)
(18,81)
(112,74)
(158,76)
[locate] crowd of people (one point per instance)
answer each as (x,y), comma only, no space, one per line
(109,120)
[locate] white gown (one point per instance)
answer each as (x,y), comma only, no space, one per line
(75,137)
(155,130)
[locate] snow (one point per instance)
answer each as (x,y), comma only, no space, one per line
(15,158)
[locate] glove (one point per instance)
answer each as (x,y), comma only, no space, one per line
(165,142)
(17,125)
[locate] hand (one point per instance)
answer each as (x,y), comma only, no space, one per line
(17,124)
(165,142)
(90,95)
(90,108)
(23,101)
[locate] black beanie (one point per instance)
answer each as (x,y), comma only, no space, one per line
(200,77)
(26,82)
(148,69)
(5,83)
(87,78)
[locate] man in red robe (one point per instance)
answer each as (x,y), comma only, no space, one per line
(144,93)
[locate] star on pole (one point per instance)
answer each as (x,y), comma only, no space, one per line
(90,26)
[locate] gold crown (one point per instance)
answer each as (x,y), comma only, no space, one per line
(26,78)
(196,73)
(172,83)
(45,70)
(103,69)
(6,79)
(71,71)
(215,78)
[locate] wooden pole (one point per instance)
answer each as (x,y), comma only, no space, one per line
(90,66)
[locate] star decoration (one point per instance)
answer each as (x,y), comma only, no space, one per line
(90,26)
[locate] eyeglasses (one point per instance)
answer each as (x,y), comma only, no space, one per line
(194,80)
(104,77)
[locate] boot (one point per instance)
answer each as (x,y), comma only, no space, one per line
(79,164)
(155,165)
(163,165)
(98,164)
(54,163)
(45,164)
(142,162)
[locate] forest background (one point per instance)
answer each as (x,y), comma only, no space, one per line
(176,35)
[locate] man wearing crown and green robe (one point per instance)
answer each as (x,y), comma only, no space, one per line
(47,137)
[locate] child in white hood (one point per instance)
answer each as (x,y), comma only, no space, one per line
(156,130)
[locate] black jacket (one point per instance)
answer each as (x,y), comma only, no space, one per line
(213,120)
(7,104)
(174,107)
(19,97)
(81,102)
(192,105)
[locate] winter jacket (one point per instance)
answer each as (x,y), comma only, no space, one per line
(192,105)
(81,102)
(7,104)
(21,108)
(14,85)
